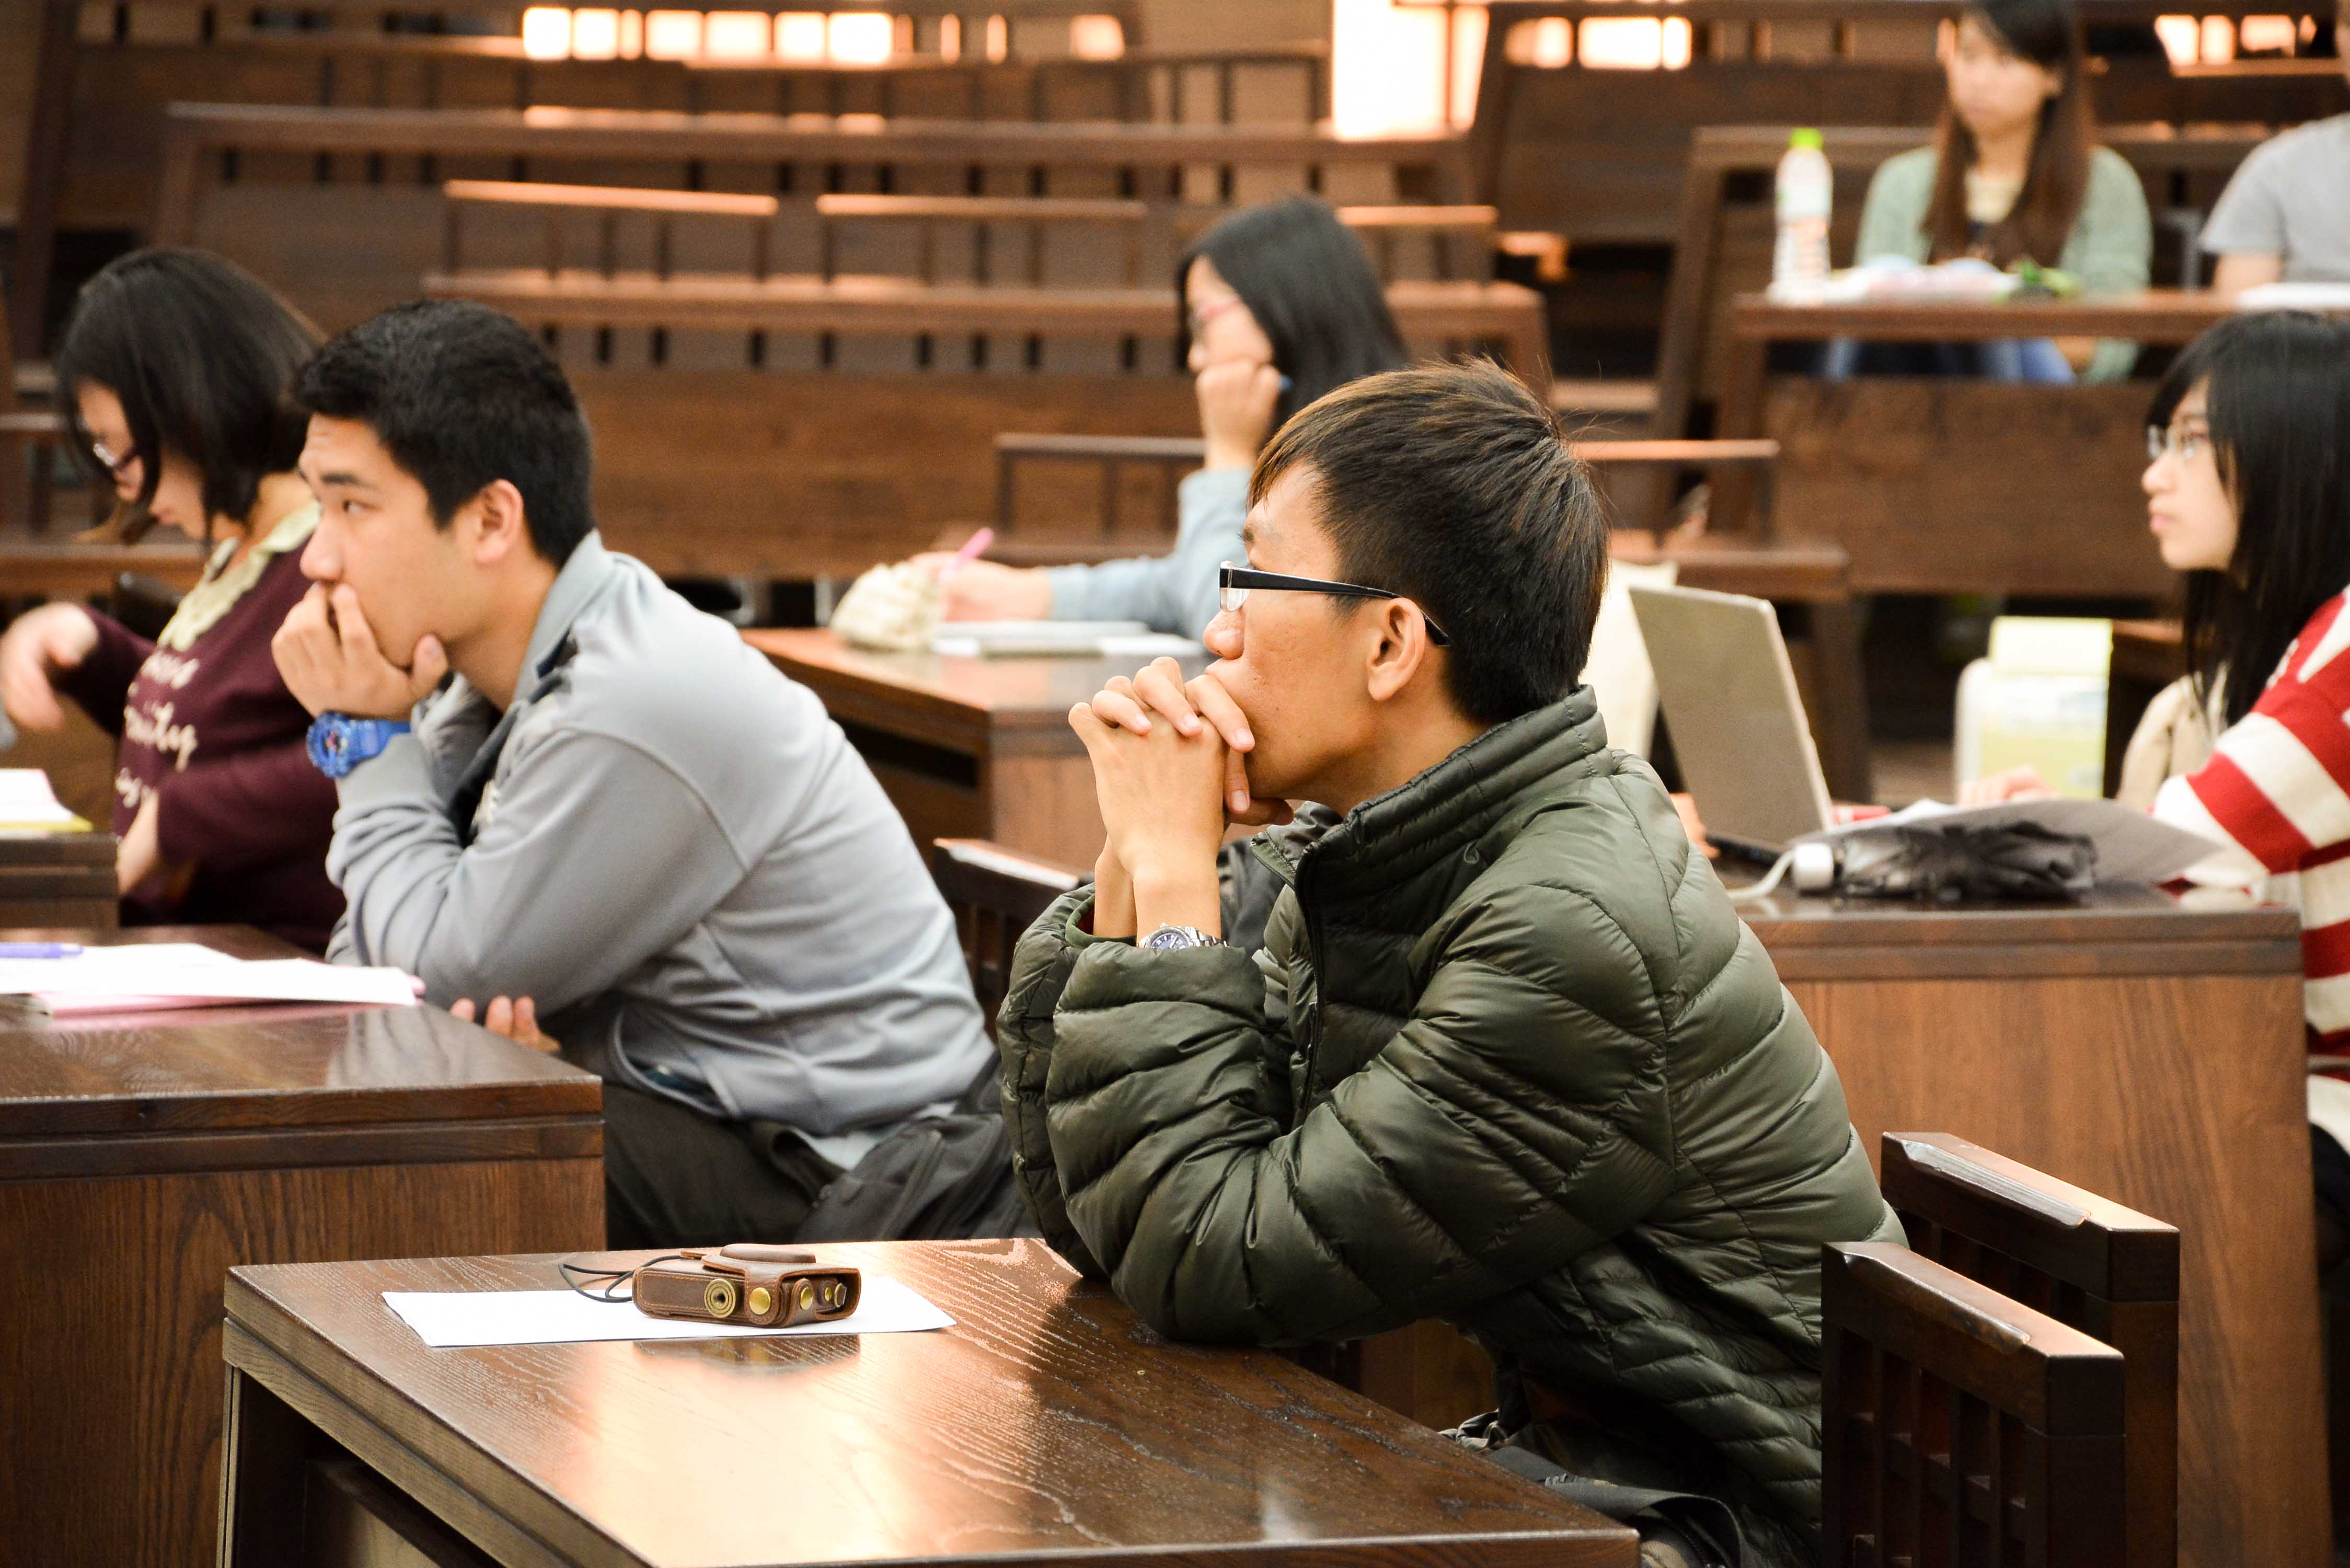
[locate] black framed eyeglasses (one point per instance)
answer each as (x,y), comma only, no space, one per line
(1234,585)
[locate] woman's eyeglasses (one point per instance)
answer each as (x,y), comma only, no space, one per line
(2186,445)
(1234,584)
(117,466)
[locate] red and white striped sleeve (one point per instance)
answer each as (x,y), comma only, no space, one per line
(2277,788)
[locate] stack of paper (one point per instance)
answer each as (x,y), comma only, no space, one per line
(27,803)
(184,974)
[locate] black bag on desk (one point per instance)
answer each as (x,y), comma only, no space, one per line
(1921,860)
(937,1178)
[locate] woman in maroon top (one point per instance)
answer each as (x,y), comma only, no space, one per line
(176,370)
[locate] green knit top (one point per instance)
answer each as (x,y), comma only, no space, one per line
(2110,249)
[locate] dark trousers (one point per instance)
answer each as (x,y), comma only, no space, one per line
(674,1176)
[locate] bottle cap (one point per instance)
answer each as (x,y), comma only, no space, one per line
(1806,137)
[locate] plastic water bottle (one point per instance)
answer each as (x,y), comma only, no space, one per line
(1799,263)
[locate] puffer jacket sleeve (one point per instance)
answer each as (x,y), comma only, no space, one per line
(1024,1034)
(1514,1122)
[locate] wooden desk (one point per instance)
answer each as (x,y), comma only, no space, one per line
(58,879)
(966,748)
(1048,1425)
(142,1154)
(2149,1052)
(2145,1049)
(1956,485)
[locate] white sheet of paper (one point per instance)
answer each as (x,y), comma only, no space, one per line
(26,800)
(184,974)
(447,1319)
(1059,638)
(2132,847)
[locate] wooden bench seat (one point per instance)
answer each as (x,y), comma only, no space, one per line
(1470,315)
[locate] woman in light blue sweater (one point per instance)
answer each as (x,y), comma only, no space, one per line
(1280,306)
(2014,175)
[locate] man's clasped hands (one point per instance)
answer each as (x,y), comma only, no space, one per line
(1170,772)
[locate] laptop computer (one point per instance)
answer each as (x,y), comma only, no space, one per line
(1737,722)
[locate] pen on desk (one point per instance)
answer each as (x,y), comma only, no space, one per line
(972,549)
(39,950)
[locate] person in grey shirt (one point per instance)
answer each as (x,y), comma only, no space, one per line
(2285,216)
(1281,304)
(567,796)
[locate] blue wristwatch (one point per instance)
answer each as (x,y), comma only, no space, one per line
(340,743)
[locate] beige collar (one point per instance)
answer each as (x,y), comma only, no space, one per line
(223,585)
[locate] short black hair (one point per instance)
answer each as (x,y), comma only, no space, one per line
(204,357)
(1309,283)
(461,397)
(1452,485)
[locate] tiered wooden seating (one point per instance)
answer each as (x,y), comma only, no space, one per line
(1960,1427)
(40,556)
(2086,1261)
(1595,153)
(93,125)
(346,247)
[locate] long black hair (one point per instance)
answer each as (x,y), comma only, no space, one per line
(1311,286)
(203,356)
(2057,181)
(2277,390)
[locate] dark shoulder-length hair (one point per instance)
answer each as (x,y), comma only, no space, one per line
(2048,34)
(203,355)
(1311,286)
(2277,392)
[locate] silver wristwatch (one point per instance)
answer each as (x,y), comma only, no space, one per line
(1173,938)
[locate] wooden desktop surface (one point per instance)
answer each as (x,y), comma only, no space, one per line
(141,1155)
(970,748)
(1048,1425)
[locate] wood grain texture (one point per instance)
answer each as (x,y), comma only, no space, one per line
(113,1349)
(2178,1095)
(1047,1423)
(141,1155)
(798,475)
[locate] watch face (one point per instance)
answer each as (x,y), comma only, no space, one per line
(1167,938)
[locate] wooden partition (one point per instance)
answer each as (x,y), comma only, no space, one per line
(1595,153)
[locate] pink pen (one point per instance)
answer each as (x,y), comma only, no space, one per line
(972,548)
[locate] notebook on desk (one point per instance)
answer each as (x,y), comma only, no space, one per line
(27,805)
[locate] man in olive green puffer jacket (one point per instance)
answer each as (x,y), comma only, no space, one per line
(1507,1057)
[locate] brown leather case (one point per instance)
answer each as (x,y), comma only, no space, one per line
(748,1283)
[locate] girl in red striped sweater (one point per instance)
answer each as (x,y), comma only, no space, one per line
(2249,495)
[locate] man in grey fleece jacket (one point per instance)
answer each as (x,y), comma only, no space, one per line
(614,816)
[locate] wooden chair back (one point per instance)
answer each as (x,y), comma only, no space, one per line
(2086,1261)
(1959,1427)
(995,894)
